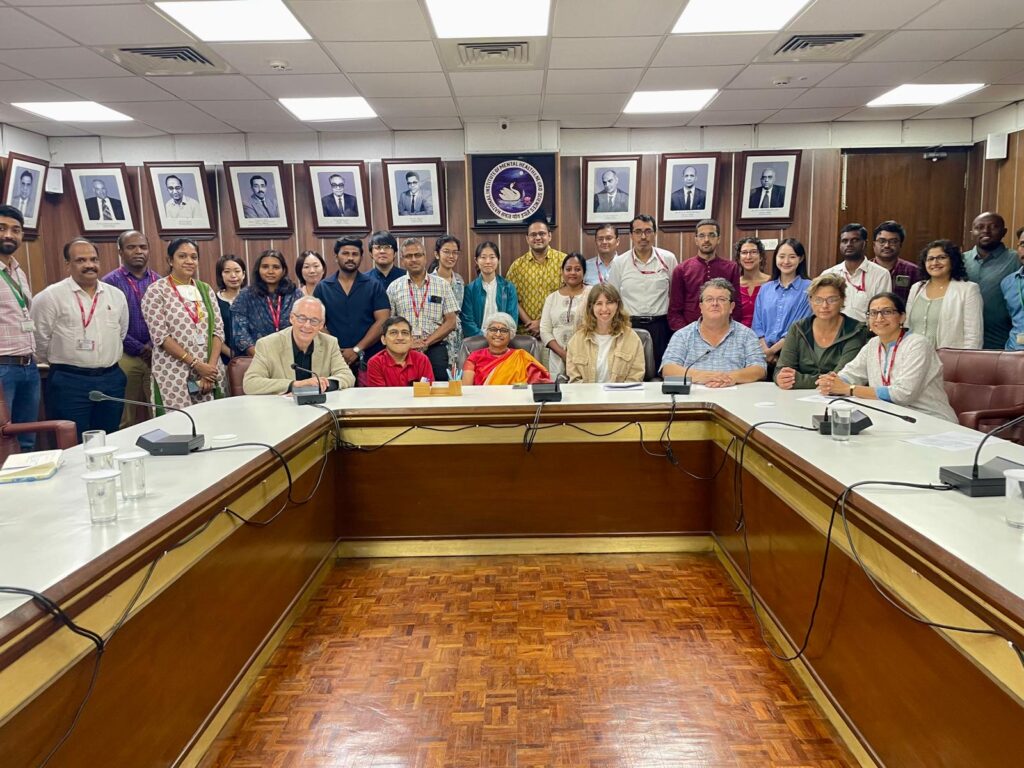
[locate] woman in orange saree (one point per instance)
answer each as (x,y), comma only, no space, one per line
(497,363)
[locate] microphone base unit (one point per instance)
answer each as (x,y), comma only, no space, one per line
(675,385)
(308,396)
(989,482)
(546,393)
(858,423)
(159,443)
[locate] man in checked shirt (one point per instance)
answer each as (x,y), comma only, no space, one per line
(18,373)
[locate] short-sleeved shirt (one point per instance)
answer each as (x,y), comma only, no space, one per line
(644,286)
(989,273)
(385,280)
(534,280)
(1013,295)
(423,306)
(350,315)
(383,371)
(739,349)
(866,281)
(903,276)
(597,272)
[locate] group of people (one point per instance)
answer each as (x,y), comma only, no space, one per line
(868,327)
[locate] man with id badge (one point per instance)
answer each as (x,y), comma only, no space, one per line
(1013,291)
(80,325)
(18,373)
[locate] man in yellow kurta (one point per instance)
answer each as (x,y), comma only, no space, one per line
(535,274)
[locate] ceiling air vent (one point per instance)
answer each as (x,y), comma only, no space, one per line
(150,61)
(841,46)
(496,55)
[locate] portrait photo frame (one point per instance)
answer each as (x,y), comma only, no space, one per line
(179,194)
(689,189)
(266,216)
(611,188)
(777,194)
(26,175)
(91,184)
(419,211)
(339,208)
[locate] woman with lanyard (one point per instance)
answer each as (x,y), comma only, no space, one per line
(489,293)
(265,306)
(562,312)
(897,366)
(446,252)
(186,328)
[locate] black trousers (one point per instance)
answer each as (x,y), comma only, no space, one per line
(660,334)
(438,356)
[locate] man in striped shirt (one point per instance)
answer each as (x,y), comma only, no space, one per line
(18,373)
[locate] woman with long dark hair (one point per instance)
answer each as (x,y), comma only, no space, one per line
(265,306)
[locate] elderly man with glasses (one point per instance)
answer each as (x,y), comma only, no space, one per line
(304,345)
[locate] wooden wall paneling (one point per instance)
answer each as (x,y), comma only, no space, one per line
(822,212)
(569,235)
(1007,173)
(458,223)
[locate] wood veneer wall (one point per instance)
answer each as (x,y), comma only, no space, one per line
(996,185)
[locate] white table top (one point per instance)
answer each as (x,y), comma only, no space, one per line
(45,533)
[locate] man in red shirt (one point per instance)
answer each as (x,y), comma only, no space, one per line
(688,277)
(398,365)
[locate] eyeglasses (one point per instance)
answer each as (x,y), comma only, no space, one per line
(643,232)
(397,333)
(876,314)
(821,300)
(883,241)
(715,300)
(381,248)
(303,320)
(499,331)
(754,252)
(444,252)
(707,236)
(936,258)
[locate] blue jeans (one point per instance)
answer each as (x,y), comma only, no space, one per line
(21,391)
(67,397)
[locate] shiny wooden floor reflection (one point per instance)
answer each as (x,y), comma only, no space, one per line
(599,661)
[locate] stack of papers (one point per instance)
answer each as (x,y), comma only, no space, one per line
(27,467)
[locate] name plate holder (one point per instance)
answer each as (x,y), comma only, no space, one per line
(426,389)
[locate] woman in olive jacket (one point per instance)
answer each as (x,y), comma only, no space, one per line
(824,342)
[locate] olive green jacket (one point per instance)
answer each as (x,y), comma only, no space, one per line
(798,350)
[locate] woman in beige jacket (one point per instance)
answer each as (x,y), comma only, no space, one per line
(605,348)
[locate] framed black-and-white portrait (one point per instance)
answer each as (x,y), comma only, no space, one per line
(611,185)
(689,189)
(103,200)
(415,193)
(180,195)
(260,195)
(340,196)
(768,183)
(23,188)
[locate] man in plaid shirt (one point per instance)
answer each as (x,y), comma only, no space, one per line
(18,373)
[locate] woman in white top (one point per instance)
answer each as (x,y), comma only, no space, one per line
(447,249)
(562,311)
(605,348)
(946,308)
(897,365)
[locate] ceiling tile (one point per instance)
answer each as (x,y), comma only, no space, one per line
(303,58)
(600,52)
(265,116)
(409,84)
(738,117)
(834,15)
(837,97)
(763,98)
(1009,46)
(1016,78)
(210,87)
(991,93)
(490,83)
(111,24)
(964,109)
(595,81)
(676,78)
(36,3)
(916,46)
(439,107)
(407,56)
(362,19)
(51,63)
(347,126)
(172,116)
(878,74)
(33,90)
(422,123)
(585,121)
(51,128)
(708,50)
(7,73)
(114,89)
(123,130)
(970,72)
(304,86)
(883,113)
(654,121)
(821,115)
(19,31)
(496,106)
(798,75)
(596,18)
(960,14)
(566,104)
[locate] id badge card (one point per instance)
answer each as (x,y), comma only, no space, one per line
(1020,339)
(85,345)
(28,325)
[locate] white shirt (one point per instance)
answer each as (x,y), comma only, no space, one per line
(645,295)
(867,280)
(604,345)
(490,297)
(60,336)
(186,209)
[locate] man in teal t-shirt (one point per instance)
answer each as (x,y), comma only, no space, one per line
(988,262)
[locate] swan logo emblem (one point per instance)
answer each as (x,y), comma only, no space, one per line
(514,190)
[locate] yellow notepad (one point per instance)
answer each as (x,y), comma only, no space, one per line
(26,467)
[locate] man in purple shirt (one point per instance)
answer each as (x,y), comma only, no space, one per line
(133,277)
(688,277)
(889,237)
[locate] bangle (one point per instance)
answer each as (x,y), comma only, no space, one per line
(851,391)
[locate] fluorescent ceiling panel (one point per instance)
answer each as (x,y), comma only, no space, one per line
(480,19)
(223,21)
(921,93)
(73,111)
(704,16)
(652,102)
(331,108)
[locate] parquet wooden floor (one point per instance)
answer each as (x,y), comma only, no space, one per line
(595,661)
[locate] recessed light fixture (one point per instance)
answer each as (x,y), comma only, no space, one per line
(330,108)
(476,19)
(73,111)
(652,102)
(704,16)
(915,94)
(219,21)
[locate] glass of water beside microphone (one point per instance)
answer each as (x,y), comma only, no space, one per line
(1014,497)
(133,473)
(100,457)
(93,438)
(101,488)
(841,417)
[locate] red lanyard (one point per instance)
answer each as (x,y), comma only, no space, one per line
(412,299)
(887,375)
(645,272)
(275,316)
(863,281)
(81,309)
(193,312)
(133,284)
(601,278)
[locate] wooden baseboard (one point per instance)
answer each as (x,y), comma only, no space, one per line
(553,545)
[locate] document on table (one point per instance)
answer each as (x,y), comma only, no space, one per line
(825,399)
(619,386)
(949,441)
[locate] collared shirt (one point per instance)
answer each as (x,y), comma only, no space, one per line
(423,306)
(61,335)
(1013,294)
(385,280)
(903,276)
(383,371)
(14,340)
(688,277)
(867,280)
(988,273)
(739,349)
(186,209)
(534,280)
(778,307)
(597,272)
(304,360)
(133,289)
(644,287)
(350,315)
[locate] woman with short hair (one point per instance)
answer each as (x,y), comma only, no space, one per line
(498,363)
(310,269)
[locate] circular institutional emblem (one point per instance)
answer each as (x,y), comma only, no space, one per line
(514,190)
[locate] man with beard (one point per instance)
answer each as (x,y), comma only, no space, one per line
(889,237)
(687,279)
(864,278)
(988,263)
(80,325)
(18,373)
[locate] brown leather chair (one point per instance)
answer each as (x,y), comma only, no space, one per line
(985,387)
(64,432)
(519,341)
(237,367)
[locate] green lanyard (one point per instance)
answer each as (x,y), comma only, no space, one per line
(19,295)
(1020,291)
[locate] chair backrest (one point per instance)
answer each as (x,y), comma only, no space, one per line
(8,444)
(237,367)
(981,379)
(650,372)
(521,341)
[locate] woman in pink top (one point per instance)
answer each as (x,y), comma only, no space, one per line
(750,255)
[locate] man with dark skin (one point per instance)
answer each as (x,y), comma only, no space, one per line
(987,263)
(888,242)
(864,278)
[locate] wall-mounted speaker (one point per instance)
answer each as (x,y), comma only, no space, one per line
(54,181)
(995,146)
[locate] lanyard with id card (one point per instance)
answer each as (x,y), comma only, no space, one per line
(27,325)
(83,344)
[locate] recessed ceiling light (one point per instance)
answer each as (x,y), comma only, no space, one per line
(476,19)
(650,102)
(331,108)
(73,111)
(703,16)
(912,94)
(218,21)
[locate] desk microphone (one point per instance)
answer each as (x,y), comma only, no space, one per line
(859,421)
(158,442)
(985,479)
(680,385)
(306,395)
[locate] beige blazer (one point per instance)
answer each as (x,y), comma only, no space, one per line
(270,372)
(625,358)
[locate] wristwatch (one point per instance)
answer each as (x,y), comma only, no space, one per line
(357,350)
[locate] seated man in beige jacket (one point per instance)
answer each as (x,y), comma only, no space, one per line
(303,345)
